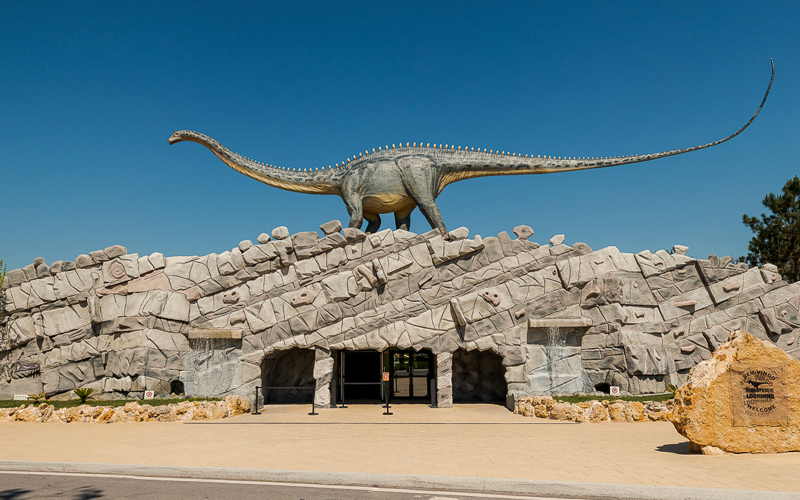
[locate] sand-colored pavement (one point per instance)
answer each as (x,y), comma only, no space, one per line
(468,440)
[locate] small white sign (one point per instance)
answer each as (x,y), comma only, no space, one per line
(20,397)
(614,390)
(149,394)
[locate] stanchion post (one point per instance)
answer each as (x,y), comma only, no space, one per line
(313,408)
(386,397)
(433,393)
(255,403)
(333,393)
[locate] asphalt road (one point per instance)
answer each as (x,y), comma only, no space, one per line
(41,486)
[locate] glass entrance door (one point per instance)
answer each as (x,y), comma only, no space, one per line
(410,373)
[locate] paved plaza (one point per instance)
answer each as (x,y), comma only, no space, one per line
(475,441)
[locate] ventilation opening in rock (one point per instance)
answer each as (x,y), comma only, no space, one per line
(176,388)
(604,388)
(478,377)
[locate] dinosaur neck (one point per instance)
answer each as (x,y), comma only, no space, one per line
(326,181)
(458,165)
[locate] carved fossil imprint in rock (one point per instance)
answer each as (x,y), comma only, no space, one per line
(303,297)
(23,369)
(399,179)
(490,296)
(116,270)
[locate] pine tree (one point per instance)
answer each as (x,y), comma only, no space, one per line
(777,235)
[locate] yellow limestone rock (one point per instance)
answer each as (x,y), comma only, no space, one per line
(105,415)
(71,414)
(237,405)
(562,411)
(598,413)
(744,399)
(29,414)
(635,411)
(616,412)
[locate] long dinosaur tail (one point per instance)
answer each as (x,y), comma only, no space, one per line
(466,165)
(325,181)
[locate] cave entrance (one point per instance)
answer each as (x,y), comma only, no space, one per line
(291,368)
(478,377)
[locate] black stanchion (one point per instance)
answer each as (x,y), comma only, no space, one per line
(386,396)
(333,394)
(255,404)
(341,399)
(313,408)
(433,393)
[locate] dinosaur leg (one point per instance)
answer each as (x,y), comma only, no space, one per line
(431,212)
(420,185)
(402,219)
(374,223)
(355,209)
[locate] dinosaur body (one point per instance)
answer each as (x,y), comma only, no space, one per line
(399,179)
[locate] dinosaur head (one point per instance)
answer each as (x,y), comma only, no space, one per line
(178,136)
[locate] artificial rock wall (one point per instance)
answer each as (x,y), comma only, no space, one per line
(562,318)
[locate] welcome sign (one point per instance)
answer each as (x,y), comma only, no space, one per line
(758,395)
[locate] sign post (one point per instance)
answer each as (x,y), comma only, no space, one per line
(386,392)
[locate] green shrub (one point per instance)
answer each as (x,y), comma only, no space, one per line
(41,396)
(83,393)
(641,399)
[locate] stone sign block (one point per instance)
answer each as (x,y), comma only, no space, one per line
(759,395)
(741,400)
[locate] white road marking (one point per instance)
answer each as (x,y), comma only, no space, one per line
(449,495)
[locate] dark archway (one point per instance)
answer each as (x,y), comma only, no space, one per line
(291,368)
(478,377)
(176,388)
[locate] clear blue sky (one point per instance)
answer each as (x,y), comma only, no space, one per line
(90,92)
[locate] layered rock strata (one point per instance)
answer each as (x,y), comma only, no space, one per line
(558,318)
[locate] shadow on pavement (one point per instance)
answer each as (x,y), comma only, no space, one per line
(84,493)
(13,494)
(677,448)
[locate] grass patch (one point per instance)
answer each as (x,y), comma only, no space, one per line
(9,403)
(641,399)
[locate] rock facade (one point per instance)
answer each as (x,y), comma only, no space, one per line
(743,399)
(559,318)
(593,411)
(131,412)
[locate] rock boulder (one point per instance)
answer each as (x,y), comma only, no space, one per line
(744,399)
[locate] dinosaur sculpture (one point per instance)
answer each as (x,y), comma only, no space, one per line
(401,178)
